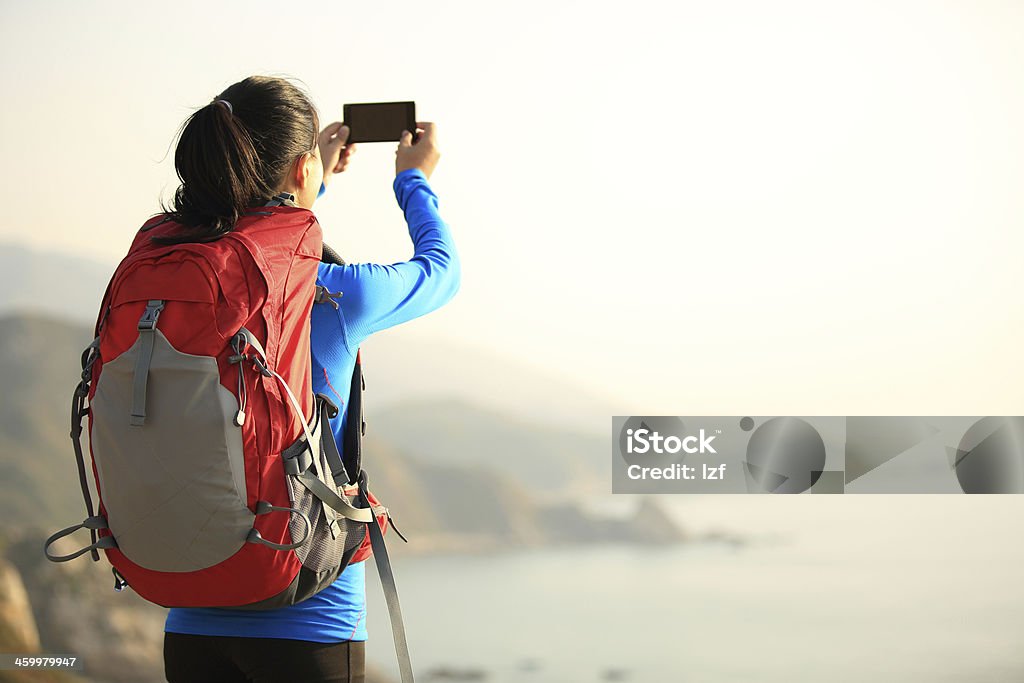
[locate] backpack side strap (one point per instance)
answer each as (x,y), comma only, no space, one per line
(93,522)
(323,492)
(387,583)
(78,412)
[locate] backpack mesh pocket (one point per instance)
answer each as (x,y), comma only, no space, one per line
(323,550)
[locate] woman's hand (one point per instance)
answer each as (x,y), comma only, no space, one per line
(333,150)
(423,155)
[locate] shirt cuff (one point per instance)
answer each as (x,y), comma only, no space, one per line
(409,173)
(407,178)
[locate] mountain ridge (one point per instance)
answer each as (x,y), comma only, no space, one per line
(400,363)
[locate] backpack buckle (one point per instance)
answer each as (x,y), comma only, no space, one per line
(152,314)
(326,296)
(330,406)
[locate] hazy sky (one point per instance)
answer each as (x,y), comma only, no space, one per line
(694,208)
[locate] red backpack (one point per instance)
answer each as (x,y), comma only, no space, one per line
(219,481)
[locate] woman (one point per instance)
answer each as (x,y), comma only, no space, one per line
(248,145)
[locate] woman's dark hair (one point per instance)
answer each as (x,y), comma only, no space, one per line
(234,156)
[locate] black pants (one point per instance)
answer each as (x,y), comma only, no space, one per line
(227,659)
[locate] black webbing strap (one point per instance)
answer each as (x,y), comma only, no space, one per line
(282,199)
(387,583)
(328,445)
(78,411)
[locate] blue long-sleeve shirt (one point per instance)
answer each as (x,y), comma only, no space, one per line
(374,298)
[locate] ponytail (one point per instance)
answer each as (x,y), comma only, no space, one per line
(235,152)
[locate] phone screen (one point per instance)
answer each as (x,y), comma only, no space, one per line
(379,121)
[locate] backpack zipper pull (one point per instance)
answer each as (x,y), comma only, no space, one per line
(391,523)
(238,345)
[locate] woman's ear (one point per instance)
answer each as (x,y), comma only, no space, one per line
(307,176)
(304,170)
(301,169)
(303,178)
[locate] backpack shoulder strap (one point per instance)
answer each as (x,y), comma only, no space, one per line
(355,426)
(331,256)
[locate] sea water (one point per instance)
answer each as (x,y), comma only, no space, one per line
(839,588)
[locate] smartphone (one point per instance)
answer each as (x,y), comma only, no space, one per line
(380,121)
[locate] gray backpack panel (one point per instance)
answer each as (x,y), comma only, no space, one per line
(174,487)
